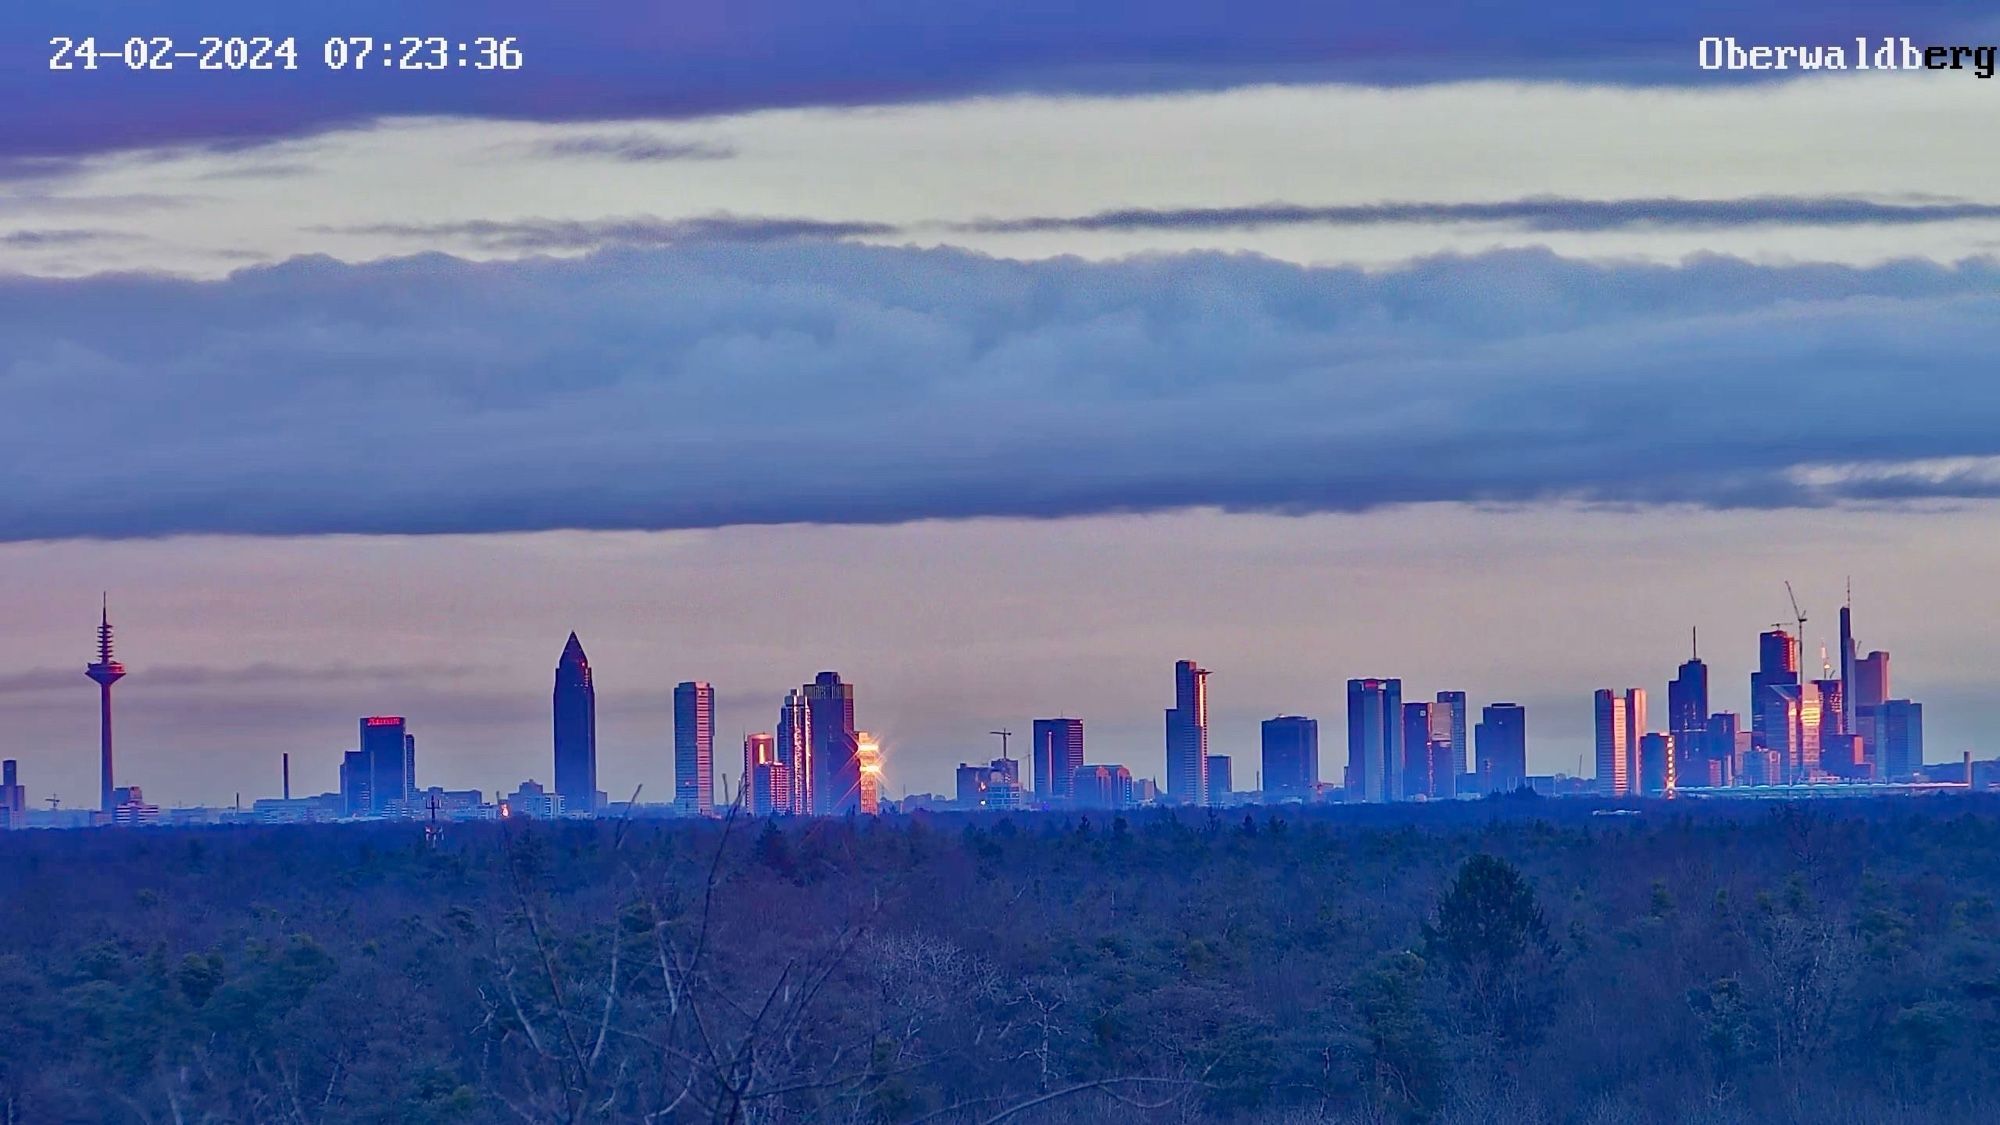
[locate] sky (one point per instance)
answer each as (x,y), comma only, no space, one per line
(996,362)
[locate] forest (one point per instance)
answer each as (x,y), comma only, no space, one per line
(1511,960)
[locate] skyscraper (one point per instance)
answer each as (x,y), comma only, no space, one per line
(1187,736)
(795,749)
(1722,739)
(1656,760)
(1847,662)
(1450,711)
(575,732)
(1290,757)
(1832,708)
(1901,723)
(1102,787)
(1871,680)
(1057,752)
(1614,753)
(355,796)
(1375,739)
(1792,715)
(1502,745)
(1215,775)
(754,794)
(1777,665)
(694,748)
(835,746)
(1687,719)
(106,671)
(1635,730)
(1426,752)
(868,759)
(379,778)
(13,797)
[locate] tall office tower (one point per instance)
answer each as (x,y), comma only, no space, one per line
(1102,787)
(379,778)
(1847,663)
(1057,751)
(1659,774)
(771,789)
(1871,680)
(355,798)
(1832,708)
(1902,725)
(1450,712)
(837,769)
(1777,665)
(868,759)
(759,749)
(795,749)
(1217,775)
(1687,719)
(575,732)
(1724,761)
(1375,739)
(1426,751)
(1614,758)
(1501,740)
(1290,757)
(1635,729)
(1187,736)
(1844,755)
(13,796)
(106,671)
(694,748)
(1792,715)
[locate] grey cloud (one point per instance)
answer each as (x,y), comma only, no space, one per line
(1541,213)
(632,148)
(717,384)
(642,230)
(36,239)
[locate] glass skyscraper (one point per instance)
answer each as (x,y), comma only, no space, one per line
(1187,736)
(1290,757)
(694,748)
(1375,739)
(576,732)
(1055,755)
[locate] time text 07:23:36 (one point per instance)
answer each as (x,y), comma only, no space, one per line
(263,52)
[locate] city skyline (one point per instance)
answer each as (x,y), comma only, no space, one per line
(834,698)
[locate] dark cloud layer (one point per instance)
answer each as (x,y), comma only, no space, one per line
(605,59)
(709,385)
(640,230)
(632,148)
(1542,213)
(1550,213)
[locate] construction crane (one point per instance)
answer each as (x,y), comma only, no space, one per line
(1798,614)
(1004,734)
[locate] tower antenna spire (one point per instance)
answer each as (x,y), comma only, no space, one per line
(1694,642)
(105,671)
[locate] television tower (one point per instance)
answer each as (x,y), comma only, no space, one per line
(106,672)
